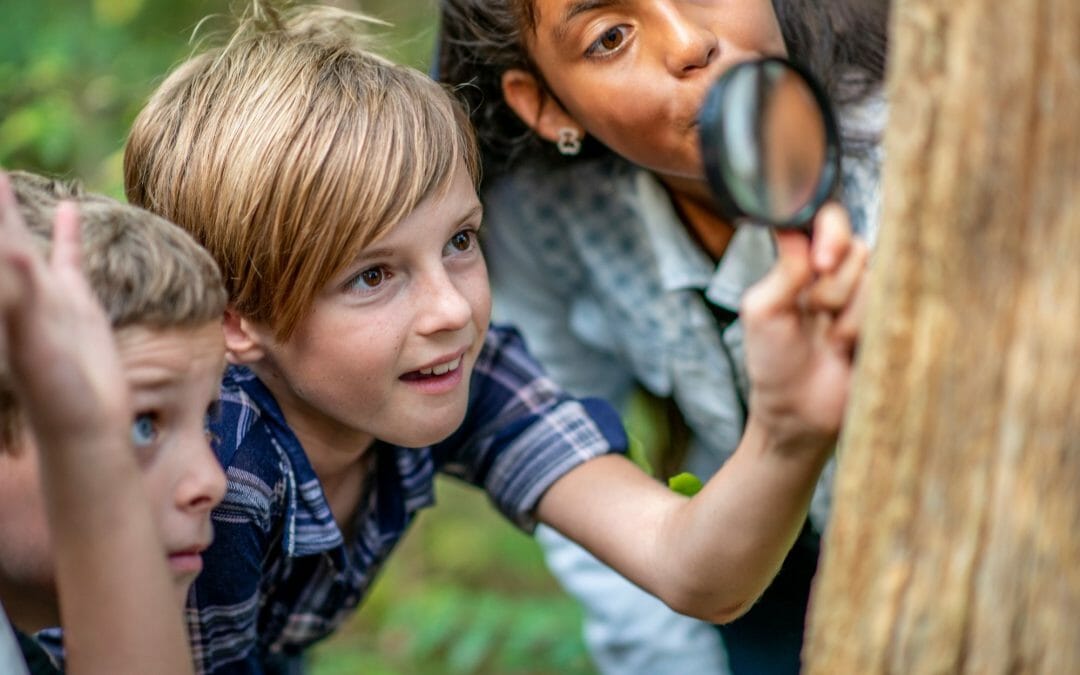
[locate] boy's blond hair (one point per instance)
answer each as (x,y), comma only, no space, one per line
(146,271)
(289,150)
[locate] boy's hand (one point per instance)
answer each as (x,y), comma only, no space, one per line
(802,322)
(54,335)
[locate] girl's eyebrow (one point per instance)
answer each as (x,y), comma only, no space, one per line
(576,9)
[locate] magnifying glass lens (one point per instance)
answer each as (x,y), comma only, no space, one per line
(769,143)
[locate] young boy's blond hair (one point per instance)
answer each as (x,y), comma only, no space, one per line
(145,271)
(251,192)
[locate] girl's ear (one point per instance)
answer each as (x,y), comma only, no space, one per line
(243,343)
(541,112)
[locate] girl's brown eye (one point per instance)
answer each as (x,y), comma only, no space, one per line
(611,39)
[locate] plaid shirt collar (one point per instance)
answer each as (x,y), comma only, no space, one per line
(406,475)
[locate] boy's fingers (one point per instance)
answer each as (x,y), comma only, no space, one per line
(832,237)
(67,238)
(781,287)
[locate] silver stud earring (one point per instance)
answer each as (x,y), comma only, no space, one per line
(569,142)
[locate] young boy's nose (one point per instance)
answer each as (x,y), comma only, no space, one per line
(689,42)
(203,484)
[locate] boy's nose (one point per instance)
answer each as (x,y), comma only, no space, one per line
(690,43)
(203,485)
(444,306)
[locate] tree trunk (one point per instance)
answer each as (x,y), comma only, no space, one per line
(954,545)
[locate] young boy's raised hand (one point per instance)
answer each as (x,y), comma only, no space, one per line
(802,323)
(58,346)
(54,335)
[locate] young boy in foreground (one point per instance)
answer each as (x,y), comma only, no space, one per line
(337,193)
(106,476)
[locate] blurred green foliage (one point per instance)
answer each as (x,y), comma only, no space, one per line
(466,592)
(73,74)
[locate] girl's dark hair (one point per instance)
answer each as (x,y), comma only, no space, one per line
(842,42)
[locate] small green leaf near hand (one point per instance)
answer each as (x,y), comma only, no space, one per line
(685,483)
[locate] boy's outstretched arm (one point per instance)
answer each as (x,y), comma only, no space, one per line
(713,555)
(117,599)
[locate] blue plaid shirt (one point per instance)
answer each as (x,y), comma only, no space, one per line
(281,575)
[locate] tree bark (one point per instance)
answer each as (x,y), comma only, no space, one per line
(954,545)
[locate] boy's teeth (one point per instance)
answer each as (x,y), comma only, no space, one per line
(441,369)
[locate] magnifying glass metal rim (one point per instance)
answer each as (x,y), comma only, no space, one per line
(713,146)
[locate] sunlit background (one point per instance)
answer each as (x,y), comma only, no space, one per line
(466,592)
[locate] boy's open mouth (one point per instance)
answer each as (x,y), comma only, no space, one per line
(433,372)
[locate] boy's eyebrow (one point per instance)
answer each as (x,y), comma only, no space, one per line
(576,9)
(153,378)
(476,211)
(386,251)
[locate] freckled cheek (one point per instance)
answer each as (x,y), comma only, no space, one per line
(478,293)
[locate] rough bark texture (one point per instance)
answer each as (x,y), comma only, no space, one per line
(955,540)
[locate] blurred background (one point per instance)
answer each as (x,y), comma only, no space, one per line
(466,592)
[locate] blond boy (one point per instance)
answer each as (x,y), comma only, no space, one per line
(163,298)
(337,193)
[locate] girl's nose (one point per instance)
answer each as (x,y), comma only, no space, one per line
(691,43)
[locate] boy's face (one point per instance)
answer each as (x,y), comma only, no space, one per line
(174,377)
(634,74)
(388,347)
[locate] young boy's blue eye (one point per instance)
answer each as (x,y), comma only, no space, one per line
(144,430)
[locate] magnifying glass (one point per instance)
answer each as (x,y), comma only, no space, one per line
(769,143)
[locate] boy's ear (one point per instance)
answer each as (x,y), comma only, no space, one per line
(242,342)
(528,98)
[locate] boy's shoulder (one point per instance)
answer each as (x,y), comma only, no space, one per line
(506,363)
(250,433)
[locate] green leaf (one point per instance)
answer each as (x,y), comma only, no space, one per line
(685,483)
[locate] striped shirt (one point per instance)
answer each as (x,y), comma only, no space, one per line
(280,575)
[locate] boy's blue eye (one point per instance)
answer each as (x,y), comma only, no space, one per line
(144,430)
